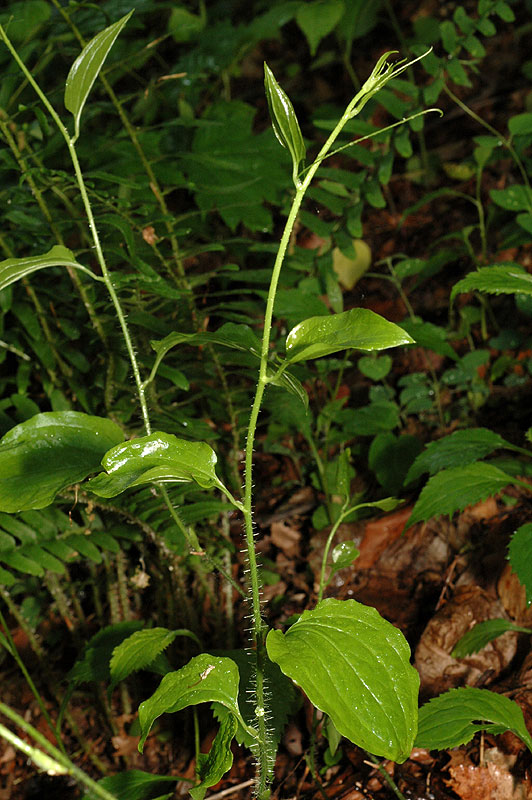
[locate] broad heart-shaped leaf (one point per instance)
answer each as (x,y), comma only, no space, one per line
(358,328)
(135,784)
(13,269)
(520,556)
(141,649)
(214,766)
(452,719)
(453,489)
(205,679)
(482,634)
(158,457)
(49,452)
(498,279)
(284,122)
(355,666)
(86,68)
(456,450)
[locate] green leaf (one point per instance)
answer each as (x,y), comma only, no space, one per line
(343,556)
(184,26)
(453,489)
(49,452)
(25,18)
(520,124)
(159,457)
(514,198)
(482,634)
(205,679)
(284,122)
(426,334)
(498,279)
(140,649)
(375,368)
(456,450)
(13,269)
(237,337)
(134,784)
(354,666)
(390,456)
(317,19)
(220,758)
(520,556)
(94,663)
(86,68)
(359,328)
(452,719)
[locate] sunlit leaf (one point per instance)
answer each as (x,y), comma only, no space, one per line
(205,679)
(358,328)
(13,269)
(159,457)
(452,719)
(355,666)
(49,452)
(86,69)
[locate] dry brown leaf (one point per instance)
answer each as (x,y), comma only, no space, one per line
(286,537)
(491,782)
(125,745)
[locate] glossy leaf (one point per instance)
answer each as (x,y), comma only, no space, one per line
(86,69)
(499,279)
(205,679)
(520,556)
(213,767)
(159,457)
(140,649)
(49,452)
(451,719)
(453,489)
(135,784)
(354,666)
(284,122)
(343,555)
(456,450)
(359,328)
(13,269)
(482,634)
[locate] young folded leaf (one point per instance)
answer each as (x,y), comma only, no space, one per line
(284,122)
(358,328)
(13,269)
(86,68)
(212,767)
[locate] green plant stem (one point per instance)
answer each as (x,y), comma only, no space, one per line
(92,226)
(328,544)
(388,778)
(52,760)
